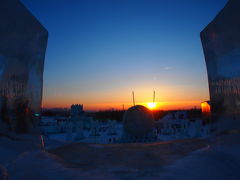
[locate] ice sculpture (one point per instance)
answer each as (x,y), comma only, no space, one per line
(221,45)
(23,42)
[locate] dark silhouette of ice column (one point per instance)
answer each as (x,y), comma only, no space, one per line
(23,42)
(221,45)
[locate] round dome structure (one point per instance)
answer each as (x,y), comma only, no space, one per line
(138,121)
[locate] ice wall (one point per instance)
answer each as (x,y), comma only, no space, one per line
(23,42)
(221,45)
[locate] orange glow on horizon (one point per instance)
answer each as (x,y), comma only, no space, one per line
(170,105)
(206,109)
(152,105)
(166,99)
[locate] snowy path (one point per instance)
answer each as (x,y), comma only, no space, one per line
(180,160)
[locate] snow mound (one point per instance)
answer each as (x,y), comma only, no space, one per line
(40,165)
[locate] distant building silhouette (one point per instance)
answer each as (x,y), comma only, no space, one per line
(76,110)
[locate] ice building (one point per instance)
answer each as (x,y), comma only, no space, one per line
(180,125)
(221,45)
(23,42)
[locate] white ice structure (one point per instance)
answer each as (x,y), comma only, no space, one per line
(80,128)
(51,125)
(99,132)
(136,127)
(177,125)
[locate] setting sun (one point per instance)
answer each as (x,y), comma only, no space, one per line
(151,105)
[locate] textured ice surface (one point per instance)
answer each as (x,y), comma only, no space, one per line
(217,158)
(22,52)
(221,45)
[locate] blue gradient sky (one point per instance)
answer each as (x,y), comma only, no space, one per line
(101,50)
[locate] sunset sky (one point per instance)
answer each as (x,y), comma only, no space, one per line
(99,51)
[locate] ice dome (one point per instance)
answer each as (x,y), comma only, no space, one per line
(138,121)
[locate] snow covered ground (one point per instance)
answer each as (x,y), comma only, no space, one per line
(216,158)
(220,160)
(102,138)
